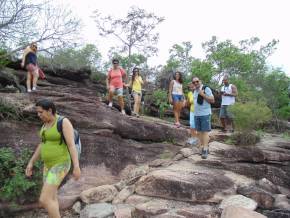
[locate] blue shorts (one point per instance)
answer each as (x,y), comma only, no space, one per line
(117,91)
(225,113)
(177,98)
(191,120)
(202,123)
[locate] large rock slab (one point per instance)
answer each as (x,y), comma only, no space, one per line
(240,212)
(179,183)
(101,210)
(104,193)
(264,199)
(239,201)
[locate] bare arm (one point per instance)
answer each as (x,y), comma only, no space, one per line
(234,91)
(33,159)
(68,133)
(108,81)
(170,91)
(209,99)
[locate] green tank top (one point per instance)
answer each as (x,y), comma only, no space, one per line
(52,152)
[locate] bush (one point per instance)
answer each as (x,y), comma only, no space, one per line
(15,187)
(9,110)
(284,112)
(248,117)
(160,99)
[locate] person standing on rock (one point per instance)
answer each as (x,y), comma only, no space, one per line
(229,93)
(57,155)
(29,62)
(115,84)
(136,84)
(203,97)
(176,96)
(190,103)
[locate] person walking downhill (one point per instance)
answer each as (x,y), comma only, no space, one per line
(176,96)
(229,93)
(115,84)
(202,114)
(190,103)
(56,154)
(136,83)
(29,62)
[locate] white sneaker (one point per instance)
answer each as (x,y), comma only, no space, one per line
(110,104)
(34,88)
(123,112)
(28,90)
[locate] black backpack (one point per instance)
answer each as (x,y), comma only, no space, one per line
(77,139)
(200,98)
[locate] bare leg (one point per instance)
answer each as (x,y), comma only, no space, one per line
(175,111)
(48,200)
(223,122)
(111,95)
(28,81)
(204,139)
(135,104)
(138,104)
(121,102)
(35,78)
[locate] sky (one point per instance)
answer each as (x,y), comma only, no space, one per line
(197,21)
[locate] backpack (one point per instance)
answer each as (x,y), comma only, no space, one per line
(200,98)
(77,139)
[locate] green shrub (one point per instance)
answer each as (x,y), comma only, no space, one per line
(284,112)
(248,117)
(160,99)
(9,110)
(15,187)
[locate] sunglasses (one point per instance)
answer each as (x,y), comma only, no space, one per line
(115,63)
(43,139)
(135,71)
(197,81)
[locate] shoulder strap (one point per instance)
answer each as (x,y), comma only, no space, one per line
(59,128)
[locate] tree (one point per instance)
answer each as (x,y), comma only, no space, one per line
(180,57)
(26,21)
(75,59)
(135,31)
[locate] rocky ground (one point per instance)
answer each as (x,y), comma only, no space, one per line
(141,167)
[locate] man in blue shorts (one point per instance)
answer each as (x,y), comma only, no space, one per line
(202,113)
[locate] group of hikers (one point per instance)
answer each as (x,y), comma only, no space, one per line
(58,149)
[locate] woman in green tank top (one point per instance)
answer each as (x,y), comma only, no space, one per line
(56,156)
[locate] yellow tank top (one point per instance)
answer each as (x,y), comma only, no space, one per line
(191,101)
(137,84)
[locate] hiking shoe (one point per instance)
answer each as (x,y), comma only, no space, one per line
(110,104)
(28,90)
(192,141)
(204,153)
(34,89)
(123,112)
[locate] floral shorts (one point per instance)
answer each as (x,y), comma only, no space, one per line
(56,174)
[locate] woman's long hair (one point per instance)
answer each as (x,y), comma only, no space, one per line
(180,77)
(135,72)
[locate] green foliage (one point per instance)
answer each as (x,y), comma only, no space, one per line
(15,187)
(160,99)
(3,59)
(75,59)
(284,112)
(204,70)
(9,110)
(249,116)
